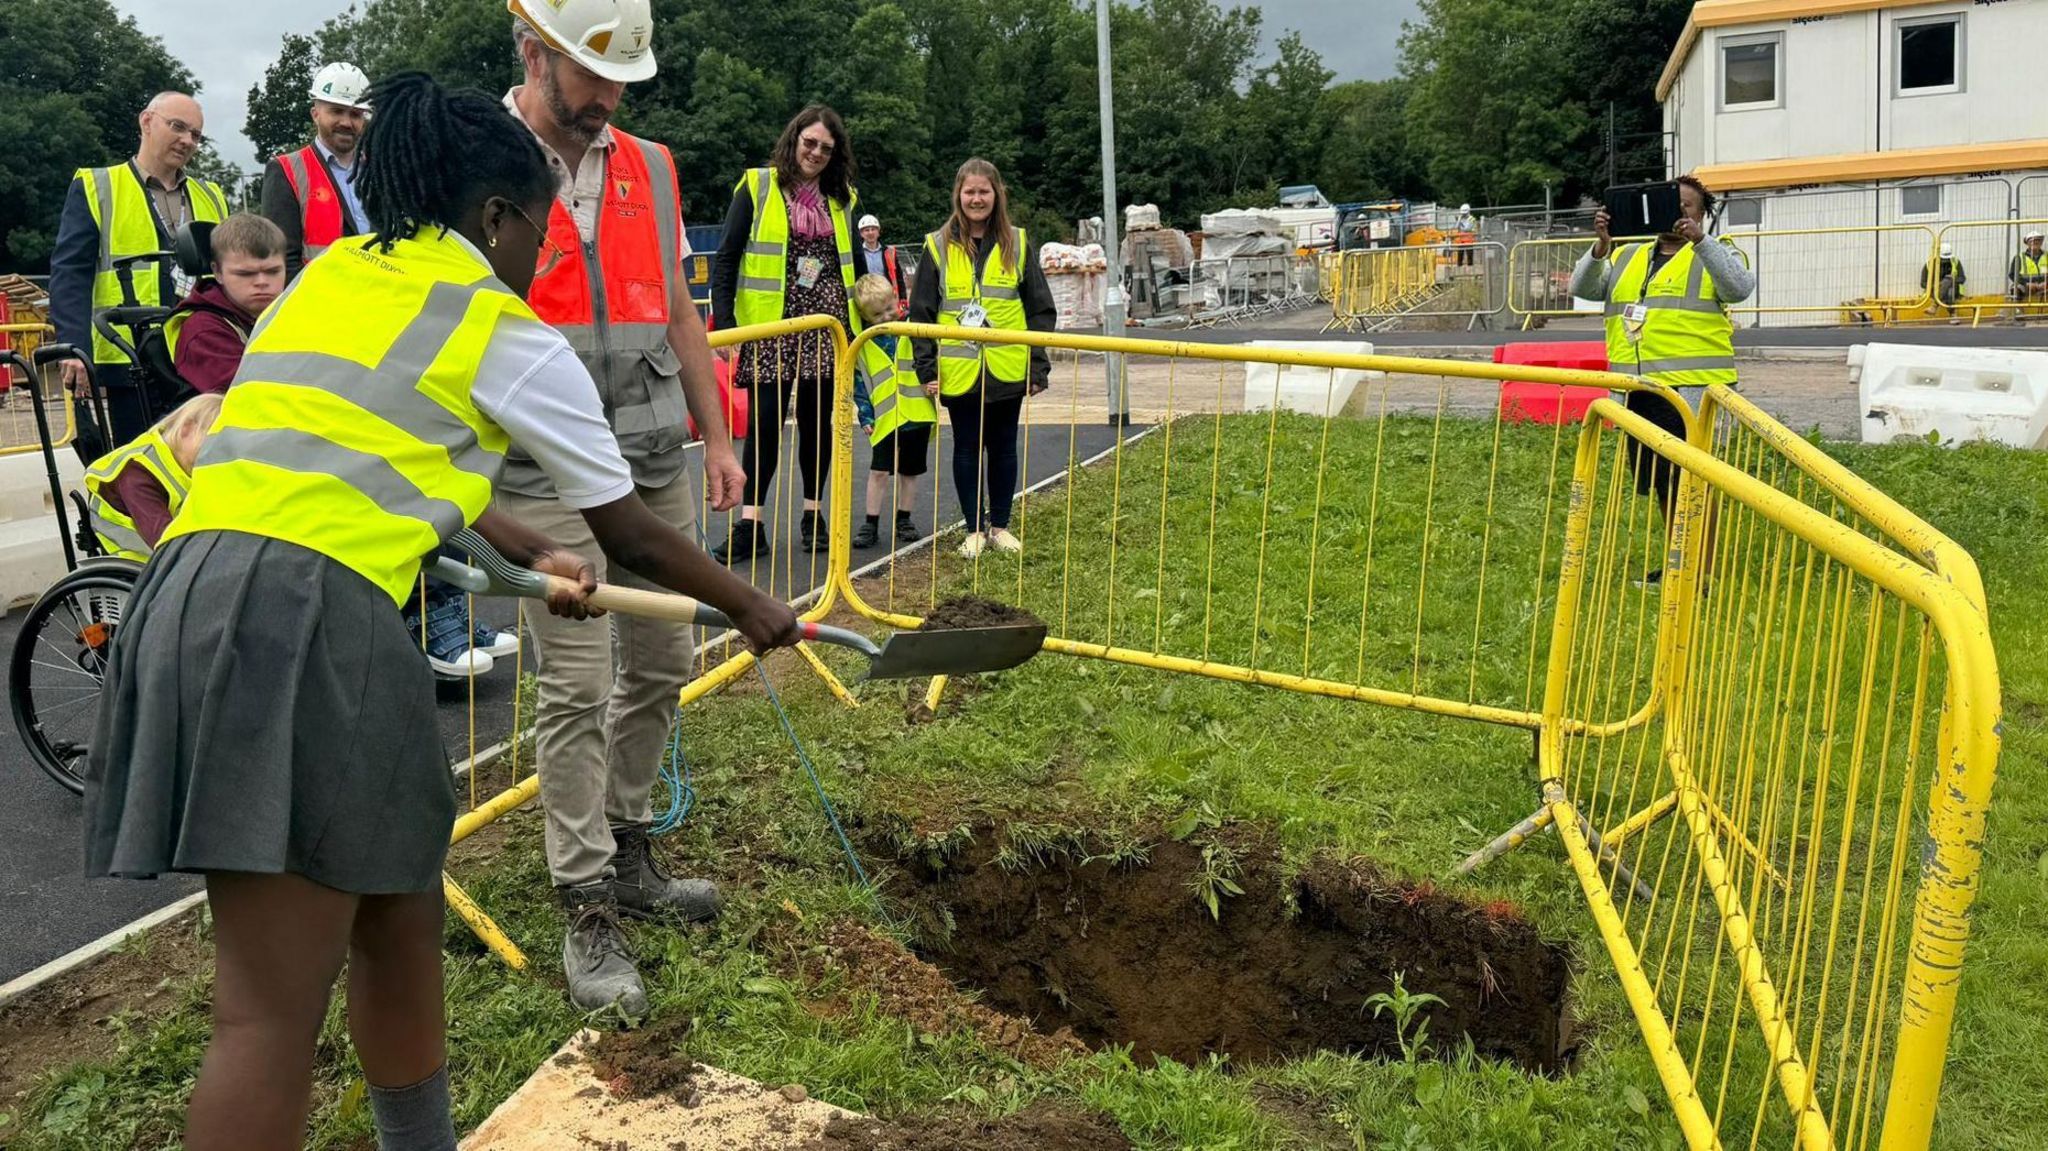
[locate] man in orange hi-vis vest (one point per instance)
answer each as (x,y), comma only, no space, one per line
(612,280)
(311,193)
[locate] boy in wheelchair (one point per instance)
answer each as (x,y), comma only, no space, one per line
(207,332)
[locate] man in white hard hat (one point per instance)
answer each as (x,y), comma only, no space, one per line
(1948,280)
(2027,276)
(129,209)
(608,687)
(873,259)
(311,194)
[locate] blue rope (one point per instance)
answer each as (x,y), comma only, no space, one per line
(675,771)
(811,770)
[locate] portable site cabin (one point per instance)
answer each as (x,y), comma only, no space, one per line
(1915,123)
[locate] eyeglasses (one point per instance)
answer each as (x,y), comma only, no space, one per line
(555,253)
(181,128)
(822,149)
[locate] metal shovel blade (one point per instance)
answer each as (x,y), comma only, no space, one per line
(956,651)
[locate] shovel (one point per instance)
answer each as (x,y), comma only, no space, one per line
(904,655)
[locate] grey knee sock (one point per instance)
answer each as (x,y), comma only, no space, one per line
(414,1118)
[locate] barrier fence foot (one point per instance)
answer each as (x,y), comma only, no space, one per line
(934,693)
(481,925)
(1611,859)
(1506,841)
(832,682)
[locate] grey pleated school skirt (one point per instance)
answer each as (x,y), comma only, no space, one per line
(265,710)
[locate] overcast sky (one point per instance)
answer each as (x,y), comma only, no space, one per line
(228,43)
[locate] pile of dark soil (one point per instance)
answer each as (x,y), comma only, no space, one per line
(975,611)
(1129,954)
(647,1061)
(1042,1126)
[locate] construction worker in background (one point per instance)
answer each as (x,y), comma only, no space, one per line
(130,209)
(2027,276)
(1468,234)
(608,688)
(871,258)
(311,193)
(1667,321)
(1948,279)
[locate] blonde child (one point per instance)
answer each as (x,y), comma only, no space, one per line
(896,413)
(133,492)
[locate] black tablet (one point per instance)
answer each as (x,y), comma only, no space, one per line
(1642,209)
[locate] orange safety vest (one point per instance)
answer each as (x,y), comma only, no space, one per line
(629,245)
(320,204)
(610,299)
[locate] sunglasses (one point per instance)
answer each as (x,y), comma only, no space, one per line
(824,149)
(554,255)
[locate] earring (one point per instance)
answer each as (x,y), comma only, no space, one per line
(494,241)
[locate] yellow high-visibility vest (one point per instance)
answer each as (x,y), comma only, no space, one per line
(894,391)
(1686,339)
(116,528)
(997,287)
(359,440)
(764,268)
(121,210)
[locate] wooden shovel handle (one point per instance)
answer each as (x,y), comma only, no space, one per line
(646,604)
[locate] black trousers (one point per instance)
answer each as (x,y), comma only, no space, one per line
(984,449)
(764,438)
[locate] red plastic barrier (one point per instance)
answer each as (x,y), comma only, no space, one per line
(1522,401)
(733,400)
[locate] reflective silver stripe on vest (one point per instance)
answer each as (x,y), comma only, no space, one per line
(291,450)
(123,538)
(954,349)
(103,192)
(661,179)
(391,388)
(761,177)
(1691,301)
(759,284)
(764,248)
(997,293)
(1689,364)
(955,303)
(301,179)
(220,204)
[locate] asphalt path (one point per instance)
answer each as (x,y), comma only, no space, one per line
(49,908)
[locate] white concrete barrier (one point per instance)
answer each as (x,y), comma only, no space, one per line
(31,556)
(1955,395)
(1314,391)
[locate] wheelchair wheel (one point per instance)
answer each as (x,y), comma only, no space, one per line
(59,660)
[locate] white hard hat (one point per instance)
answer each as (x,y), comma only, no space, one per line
(1464,207)
(2032,234)
(1948,249)
(614,39)
(868,222)
(342,84)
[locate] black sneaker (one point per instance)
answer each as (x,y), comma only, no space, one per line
(812,535)
(749,539)
(867,535)
(906,529)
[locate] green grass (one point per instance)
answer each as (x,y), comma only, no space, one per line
(1065,753)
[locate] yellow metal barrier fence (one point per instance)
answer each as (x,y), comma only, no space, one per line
(1996,285)
(18,431)
(1449,280)
(1790,956)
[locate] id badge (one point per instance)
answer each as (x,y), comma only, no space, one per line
(1634,316)
(974,316)
(807,269)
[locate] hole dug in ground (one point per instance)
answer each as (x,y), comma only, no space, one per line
(1129,955)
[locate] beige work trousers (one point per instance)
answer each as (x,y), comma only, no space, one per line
(607,694)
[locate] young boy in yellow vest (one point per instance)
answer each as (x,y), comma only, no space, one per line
(133,492)
(895,413)
(207,333)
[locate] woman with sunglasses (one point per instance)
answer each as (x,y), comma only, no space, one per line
(266,721)
(787,252)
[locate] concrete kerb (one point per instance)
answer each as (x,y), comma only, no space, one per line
(80,956)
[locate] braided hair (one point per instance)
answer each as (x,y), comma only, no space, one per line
(432,156)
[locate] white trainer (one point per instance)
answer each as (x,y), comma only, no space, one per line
(1003,541)
(972,547)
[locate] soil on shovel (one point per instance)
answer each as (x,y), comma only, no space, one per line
(974,611)
(1130,954)
(1040,1127)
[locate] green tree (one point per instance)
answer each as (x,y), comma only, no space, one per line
(74,75)
(1284,124)
(277,120)
(1367,153)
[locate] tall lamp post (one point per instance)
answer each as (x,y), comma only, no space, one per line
(1113,294)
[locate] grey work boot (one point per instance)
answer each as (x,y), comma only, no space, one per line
(595,957)
(645,889)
